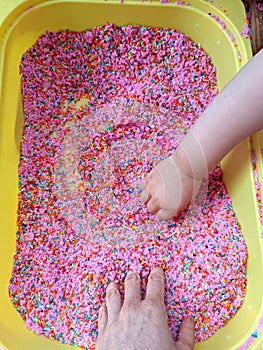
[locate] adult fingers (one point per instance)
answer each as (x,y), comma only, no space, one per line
(132,288)
(102,318)
(186,337)
(155,286)
(113,300)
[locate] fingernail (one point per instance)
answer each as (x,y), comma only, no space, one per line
(156,276)
(111,292)
(132,276)
(102,311)
(157,273)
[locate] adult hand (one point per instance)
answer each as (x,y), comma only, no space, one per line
(140,324)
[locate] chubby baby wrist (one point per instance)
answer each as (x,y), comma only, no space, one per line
(191,165)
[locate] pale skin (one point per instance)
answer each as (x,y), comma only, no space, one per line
(140,324)
(235,113)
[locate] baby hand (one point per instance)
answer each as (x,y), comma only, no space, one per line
(167,189)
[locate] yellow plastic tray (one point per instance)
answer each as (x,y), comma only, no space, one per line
(21,23)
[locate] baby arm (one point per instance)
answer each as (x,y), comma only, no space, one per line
(234,114)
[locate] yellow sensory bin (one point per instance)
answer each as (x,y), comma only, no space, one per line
(217,25)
